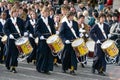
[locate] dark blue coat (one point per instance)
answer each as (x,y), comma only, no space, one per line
(12,51)
(30,29)
(96,34)
(44,54)
(68,55)
(65,32)
(1,44)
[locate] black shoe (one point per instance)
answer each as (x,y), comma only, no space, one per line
(102,73)
(47,72)
(13,70)
(72,72)
(8,68)
(82,65)
(93,70)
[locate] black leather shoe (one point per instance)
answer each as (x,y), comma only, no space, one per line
(72,72)
(13,70)
(93,70)
(8,68)
(102,73)
(47,72)
(83,66)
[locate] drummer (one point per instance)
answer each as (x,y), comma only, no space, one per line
(84,33)
(68,32)
(13,28)
(99,33)
(2,23)
(57,27)
(44,28)
(30,27)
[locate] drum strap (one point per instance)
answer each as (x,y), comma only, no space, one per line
(32,22)
(70,24)
(14,21)
(45,20)
(101,26)
(2,21)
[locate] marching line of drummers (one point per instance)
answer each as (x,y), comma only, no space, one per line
(62,38)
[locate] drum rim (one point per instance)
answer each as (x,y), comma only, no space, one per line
(77,40)
(102,46)
(51,37)
(20,38)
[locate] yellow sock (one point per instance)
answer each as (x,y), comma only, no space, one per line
(72,68)
(3,58)
(55,60)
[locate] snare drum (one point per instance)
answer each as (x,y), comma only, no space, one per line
(80,47)
(110,48)
(24,45)
(90,44)
(55,43)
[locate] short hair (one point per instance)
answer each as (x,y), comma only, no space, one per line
(102,15)
(65,7)
(69,14)
(81,16)
(13,9)
(45,9)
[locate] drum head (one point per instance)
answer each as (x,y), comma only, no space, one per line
(21,40)
(77,42)
(52,39)
(90,44)
(106,44)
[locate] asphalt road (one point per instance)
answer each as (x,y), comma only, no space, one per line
(28,72)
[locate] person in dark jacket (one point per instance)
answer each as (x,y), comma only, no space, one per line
(14,29)
(44,29)
(30,27)
(99,33)
(68,32)
(2,23)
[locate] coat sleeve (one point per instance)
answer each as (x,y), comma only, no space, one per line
(6,28)
(53,27)
(93,33)
(62,32)
(37,28)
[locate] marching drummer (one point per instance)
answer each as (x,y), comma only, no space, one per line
(57,27)
(99,33)
(84,33)
(13,28)
(2,23)
(30,27)
(68,32)
(44,28)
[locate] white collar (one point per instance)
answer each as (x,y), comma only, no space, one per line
(14,20)
(2,21)
(45,20)
(69,23)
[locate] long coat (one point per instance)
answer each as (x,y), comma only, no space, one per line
(12,51)
(29,27)
(1,43)
(96,34)
(44,54)
(68,54)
